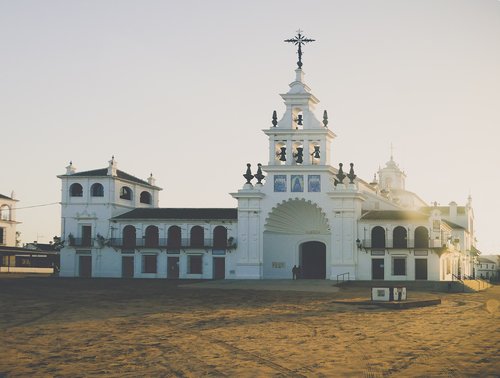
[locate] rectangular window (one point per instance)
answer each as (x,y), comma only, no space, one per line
(399,266)
(195,264)
(314,183)
(149,264)
(297,183)
(2,235)
(280,183)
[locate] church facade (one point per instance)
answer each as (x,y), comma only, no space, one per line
(297,210)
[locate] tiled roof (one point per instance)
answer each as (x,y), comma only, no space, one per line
(11,250)
(181,213)
(395,215)
(475,250)
(104,173)
(444,209)
(486,260)
(453,225)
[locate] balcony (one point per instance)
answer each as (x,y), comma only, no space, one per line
(389,244)
(80,242)
(176,244)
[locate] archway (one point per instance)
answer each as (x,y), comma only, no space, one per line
(289,226)
(312,257)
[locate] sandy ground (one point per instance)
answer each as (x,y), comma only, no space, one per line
(130,328)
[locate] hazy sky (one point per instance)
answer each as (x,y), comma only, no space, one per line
(183,89)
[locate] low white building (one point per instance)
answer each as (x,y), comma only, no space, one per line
(8,223)
(298,209)
(487,267)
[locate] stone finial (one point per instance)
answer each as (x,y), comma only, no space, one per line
(12,195)
(275,119)
(70,169)
(248,174)
(469,201)
(151,180)
(340,175)
(112,166)
(325,118)
(259,176)
(351,174)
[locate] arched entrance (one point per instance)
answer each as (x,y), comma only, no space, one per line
(296,232)
(312,257)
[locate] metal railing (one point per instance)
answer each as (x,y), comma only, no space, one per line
(389,244)
(81,242)
(454,278)
(343,277)
(173,244)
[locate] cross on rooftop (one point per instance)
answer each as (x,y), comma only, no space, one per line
(299,40)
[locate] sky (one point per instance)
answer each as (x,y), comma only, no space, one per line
(183,90)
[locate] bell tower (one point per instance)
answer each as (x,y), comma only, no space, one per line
(299,138)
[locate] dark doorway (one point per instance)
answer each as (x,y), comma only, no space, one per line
(219,268)
(127,266)
(420,269)
(85,266)
(86,236)
(173,267)
(377,269)
(313,260)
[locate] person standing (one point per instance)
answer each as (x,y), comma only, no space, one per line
(295,272)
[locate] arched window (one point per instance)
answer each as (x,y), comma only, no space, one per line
(152,237)
(378,237)
(5,212)
(220,237)
(197,237)
(76,190)
(146,198)
(174,237)
(399,236)
(97,190)
(421,237)
(125,193)
(129,236)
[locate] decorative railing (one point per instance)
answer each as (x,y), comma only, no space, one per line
(173,244)
(389,244)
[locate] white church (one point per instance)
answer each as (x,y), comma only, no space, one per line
(298,210)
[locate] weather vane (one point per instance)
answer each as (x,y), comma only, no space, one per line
(299,40)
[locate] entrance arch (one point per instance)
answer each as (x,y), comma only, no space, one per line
(288,229)
(312,258)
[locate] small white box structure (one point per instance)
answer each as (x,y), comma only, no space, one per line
(381,293)
(389,293)
(399,293)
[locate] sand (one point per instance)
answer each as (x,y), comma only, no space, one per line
(130,328)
